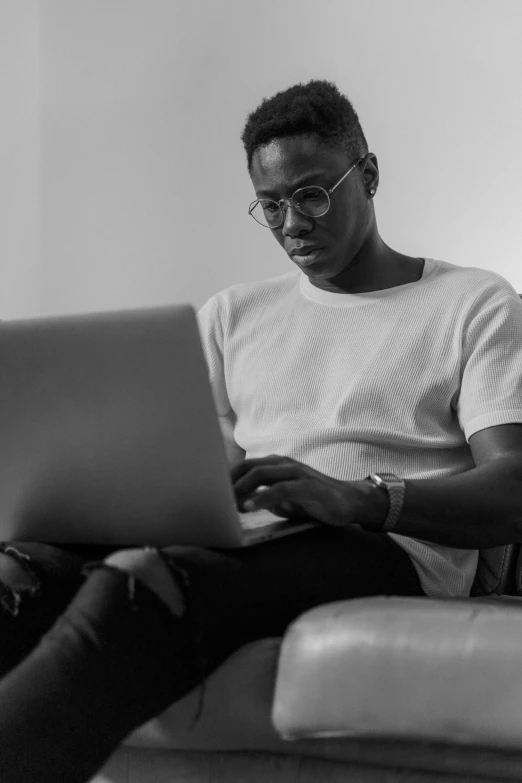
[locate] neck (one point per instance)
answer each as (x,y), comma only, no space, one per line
(374,268)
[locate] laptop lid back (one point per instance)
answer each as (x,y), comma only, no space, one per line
(109,433)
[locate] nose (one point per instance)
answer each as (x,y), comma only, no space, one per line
(294,221)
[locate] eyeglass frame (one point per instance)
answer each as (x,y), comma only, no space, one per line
(290,201)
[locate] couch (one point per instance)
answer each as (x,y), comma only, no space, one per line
(375,689)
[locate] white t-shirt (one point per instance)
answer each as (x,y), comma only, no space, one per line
(394,380)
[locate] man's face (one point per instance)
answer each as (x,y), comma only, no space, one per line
(284,165)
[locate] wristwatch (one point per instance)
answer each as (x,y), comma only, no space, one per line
(396,489)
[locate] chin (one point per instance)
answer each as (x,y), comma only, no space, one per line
(318,268)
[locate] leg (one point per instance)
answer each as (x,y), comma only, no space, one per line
(235,597)
(118,655)
(114,658)
(37,581)
(243,595)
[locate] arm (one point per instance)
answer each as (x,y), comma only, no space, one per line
(478,509)
(481,508)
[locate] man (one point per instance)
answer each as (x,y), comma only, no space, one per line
(358,361)
(363,360)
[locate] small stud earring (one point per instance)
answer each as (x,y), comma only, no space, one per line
(372,192)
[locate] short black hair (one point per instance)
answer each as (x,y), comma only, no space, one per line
(316,108)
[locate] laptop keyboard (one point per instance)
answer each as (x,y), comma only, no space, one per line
(250,520)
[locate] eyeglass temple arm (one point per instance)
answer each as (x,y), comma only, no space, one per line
(345,175)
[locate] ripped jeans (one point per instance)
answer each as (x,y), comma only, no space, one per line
(88,653)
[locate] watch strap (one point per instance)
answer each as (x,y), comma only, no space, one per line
(396,488)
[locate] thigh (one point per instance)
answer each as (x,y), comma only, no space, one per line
(287,576)
(242,595)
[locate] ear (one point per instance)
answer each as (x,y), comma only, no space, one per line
(370,172)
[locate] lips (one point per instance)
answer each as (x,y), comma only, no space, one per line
(304,250)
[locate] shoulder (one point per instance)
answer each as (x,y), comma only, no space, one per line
(259,289)
(474,281)
(484,306)
(247,298)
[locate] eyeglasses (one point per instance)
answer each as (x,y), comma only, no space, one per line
(311,201)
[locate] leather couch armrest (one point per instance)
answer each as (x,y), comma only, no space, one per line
(409,668)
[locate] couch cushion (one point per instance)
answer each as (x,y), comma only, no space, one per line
(236,712)
(409,668)
(237,716)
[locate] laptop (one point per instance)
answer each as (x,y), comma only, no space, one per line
(109,435)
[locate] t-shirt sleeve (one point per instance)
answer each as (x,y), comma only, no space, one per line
(211,334)
(491,363)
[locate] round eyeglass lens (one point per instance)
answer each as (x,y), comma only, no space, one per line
(310,201)
(267,212)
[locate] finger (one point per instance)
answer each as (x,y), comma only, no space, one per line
(264,475)
(282,493)
(243,467)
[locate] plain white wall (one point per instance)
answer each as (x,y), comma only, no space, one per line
(19,159)
(143,183)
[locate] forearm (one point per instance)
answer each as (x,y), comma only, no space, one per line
(478,509)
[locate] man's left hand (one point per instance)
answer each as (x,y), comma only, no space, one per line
(292,489)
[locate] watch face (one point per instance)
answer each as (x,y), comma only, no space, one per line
(386,479)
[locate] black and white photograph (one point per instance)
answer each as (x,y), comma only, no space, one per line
(260,391)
